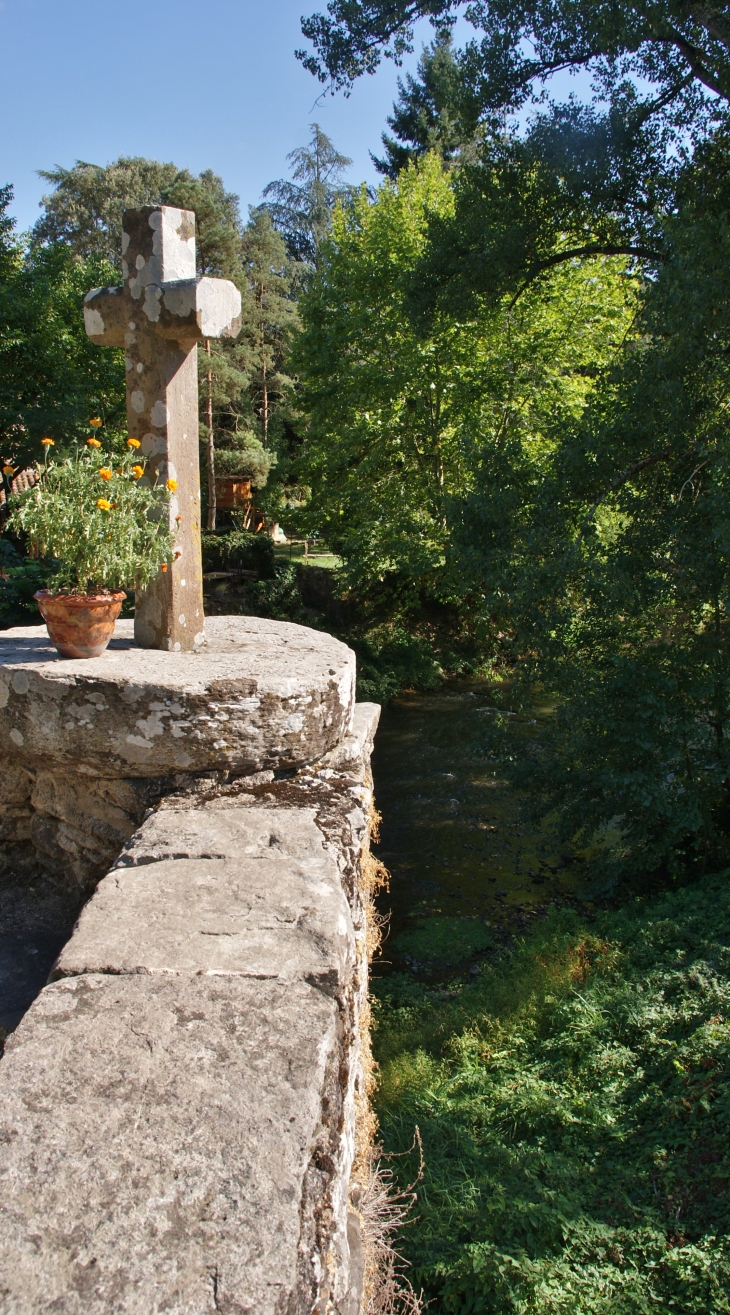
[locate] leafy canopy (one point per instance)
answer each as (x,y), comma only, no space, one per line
(52,378)
(596,178)
(400,424)
(676,45)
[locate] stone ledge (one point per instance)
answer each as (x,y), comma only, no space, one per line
(251,892)
(156,1137)
(177,1109)
(259,694)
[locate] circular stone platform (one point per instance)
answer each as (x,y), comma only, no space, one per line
(258,694)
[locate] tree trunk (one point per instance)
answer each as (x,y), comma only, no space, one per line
(264,382)
(210,446)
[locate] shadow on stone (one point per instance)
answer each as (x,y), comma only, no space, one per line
(37,916)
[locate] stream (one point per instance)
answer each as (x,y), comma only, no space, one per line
(466,871)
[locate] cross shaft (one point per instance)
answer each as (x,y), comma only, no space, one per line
(159,314)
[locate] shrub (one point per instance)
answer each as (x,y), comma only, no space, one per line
(573,1105)
(103,525)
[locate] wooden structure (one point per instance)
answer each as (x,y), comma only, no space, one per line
(232,492)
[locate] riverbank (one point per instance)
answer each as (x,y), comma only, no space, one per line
(573,1103)
(567,1066)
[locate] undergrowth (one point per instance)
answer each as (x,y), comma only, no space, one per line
(574,1105)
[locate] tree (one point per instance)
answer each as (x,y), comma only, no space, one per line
(401,425)
(661,77)
(52,378)
(623,586)
(426,115)
(272,317)
(302,208)
(84,210)
(679,47)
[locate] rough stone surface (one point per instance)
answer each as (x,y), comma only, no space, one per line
(177,1109)
(248,892)
(156,1135)
(259,694)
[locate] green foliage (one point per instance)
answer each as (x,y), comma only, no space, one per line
(270,321)
(105,528)
(401,424)
(20,578)
(391,659)
(239,550)
(443,941)
(52,378)
(573,1104)
(613,580)
(426,115)
(682,51)
(84,210)
(596,179)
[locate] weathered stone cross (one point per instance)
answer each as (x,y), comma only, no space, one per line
(159,315)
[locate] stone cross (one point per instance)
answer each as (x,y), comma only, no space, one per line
(159,315)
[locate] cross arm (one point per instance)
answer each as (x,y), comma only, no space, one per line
(186,310)
(106,311)
(193,309)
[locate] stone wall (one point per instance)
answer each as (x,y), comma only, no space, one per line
(177,1108)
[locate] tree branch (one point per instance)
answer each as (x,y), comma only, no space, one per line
(694,57)
(713,22)
(575,253)
(654,106)
(618,481)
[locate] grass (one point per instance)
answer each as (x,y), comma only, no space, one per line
(294,552)
(574,1105)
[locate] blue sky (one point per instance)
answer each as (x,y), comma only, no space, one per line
(212,84)
(207,85)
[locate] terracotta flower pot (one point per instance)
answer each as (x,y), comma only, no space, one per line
(80,625)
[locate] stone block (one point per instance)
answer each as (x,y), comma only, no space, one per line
(258,695)
(253,892)
(157,1138)
(177,1108)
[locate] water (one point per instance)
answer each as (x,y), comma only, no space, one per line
(466,869)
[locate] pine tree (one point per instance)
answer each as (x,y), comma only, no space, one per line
(426,116)
(302,208)
(272,316)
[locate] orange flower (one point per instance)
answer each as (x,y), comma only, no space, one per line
(105,473)
(164,566)
(133,442)
(178,554)
(92,442)
(8,470)
(103,505)
(137,472)
(48,442)
(178,519)
(171,484)
(95,422)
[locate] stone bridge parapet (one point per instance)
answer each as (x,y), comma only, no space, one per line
(177,1107)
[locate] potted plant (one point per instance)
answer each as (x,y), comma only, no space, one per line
(107,530)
